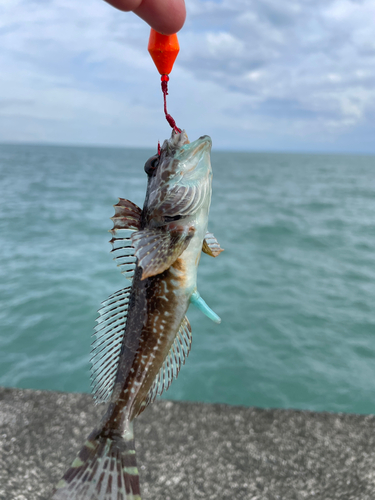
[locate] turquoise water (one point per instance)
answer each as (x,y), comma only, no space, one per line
(295,286)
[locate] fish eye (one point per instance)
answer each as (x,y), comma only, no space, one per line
(151,164)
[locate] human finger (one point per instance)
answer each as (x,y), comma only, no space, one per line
(165,16)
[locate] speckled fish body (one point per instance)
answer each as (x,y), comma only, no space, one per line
(176,208)
(143,336)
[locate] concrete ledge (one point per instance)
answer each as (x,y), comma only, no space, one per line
(188,451)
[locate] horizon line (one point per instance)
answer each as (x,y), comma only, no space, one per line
(219,150)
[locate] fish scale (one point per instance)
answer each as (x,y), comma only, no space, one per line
(143,336)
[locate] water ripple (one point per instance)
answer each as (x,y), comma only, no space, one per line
(295,286)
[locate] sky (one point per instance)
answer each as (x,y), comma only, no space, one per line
(253,74)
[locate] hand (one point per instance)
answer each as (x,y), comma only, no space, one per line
(165,16)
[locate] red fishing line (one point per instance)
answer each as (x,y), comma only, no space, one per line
(164,88)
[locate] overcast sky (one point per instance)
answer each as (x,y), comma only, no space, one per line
(254,74)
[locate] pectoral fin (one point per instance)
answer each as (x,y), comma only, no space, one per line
(211,246)
(197,300)
(157,249)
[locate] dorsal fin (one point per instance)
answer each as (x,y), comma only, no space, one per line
(126,220)
(172,364)
(127,215)
(105,353)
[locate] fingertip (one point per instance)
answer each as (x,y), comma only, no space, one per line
(165,16)
(178,19)
(125,5)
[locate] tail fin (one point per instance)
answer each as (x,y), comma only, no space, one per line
(105,469)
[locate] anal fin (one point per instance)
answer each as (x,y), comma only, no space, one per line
(172,364)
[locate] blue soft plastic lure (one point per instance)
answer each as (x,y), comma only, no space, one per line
(197,300)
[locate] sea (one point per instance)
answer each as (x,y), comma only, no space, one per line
(295,286)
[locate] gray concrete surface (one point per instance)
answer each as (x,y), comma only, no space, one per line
(192,451)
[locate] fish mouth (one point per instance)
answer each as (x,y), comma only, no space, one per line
(180,157)
(193,158)
(204,142)
(180,140)
(195,148)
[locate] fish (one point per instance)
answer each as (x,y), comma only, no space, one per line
(143,336)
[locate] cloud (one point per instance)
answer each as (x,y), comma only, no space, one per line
(316,57)
(265,74)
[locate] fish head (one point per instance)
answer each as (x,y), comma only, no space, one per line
(179,179)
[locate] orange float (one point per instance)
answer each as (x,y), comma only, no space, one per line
(163,50)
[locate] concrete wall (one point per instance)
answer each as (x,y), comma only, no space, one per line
(192,451)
